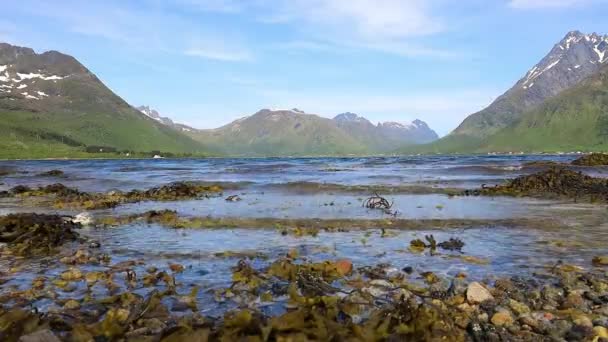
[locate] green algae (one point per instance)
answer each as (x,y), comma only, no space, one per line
(312,227)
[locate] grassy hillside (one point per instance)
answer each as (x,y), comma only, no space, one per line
(59,108)
(280,133)
(38,135)
(574,120)
(577,119)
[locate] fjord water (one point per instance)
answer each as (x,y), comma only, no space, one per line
(324,189)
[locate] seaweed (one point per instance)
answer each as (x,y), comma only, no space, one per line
(554,182)
(30,234)
(593,159)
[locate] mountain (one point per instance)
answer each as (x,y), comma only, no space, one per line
(52,106)
(155,115)
(575,58)
(416,132)
(575,120)
(386,136)
(280,133)
(296,133)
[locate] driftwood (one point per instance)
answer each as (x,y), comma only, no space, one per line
(379,202)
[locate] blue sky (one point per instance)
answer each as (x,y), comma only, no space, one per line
(208,62)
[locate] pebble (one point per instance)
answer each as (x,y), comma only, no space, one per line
(502,318)
(477,293)
(40,336)
(71,305)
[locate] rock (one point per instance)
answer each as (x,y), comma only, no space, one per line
(502,318)
(477,293)
(71,274)
(518,308)
(84,219)
(408,269)
(378,288)
(466,308)
(559,328)
(584,321)
(573,301)
(344,266)
(40,336)
(600,332)
(71,305)
(600,260)
(176,268)
(233,198)
(528,320)
(579,333)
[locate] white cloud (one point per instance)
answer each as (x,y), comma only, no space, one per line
(366,19)
(145,28)
(538,4)
(219,54)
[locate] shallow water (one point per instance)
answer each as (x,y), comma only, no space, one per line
(104,175)
(274,189)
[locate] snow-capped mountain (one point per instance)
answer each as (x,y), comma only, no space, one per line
(155,115)
(573,59)
(392,133)
(51,99)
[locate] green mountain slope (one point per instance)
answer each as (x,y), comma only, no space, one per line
(577,119)
(52,106)
(295,133)
(280,133)
(575,58)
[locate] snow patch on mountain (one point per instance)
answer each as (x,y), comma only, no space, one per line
(575,48)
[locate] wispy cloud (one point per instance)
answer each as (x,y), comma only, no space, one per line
(219,54)
(144,28)
(366,19)
(544,4)
(388,26)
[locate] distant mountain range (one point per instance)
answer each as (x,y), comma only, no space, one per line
(294,133)
(559,104)
(53,106)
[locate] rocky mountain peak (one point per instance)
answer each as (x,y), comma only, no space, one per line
(574,58)
(155,115)
(349,117)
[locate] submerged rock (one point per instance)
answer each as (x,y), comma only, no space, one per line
(600,260)
(51,173)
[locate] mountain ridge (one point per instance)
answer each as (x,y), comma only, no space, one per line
(50,98)
(575,58)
